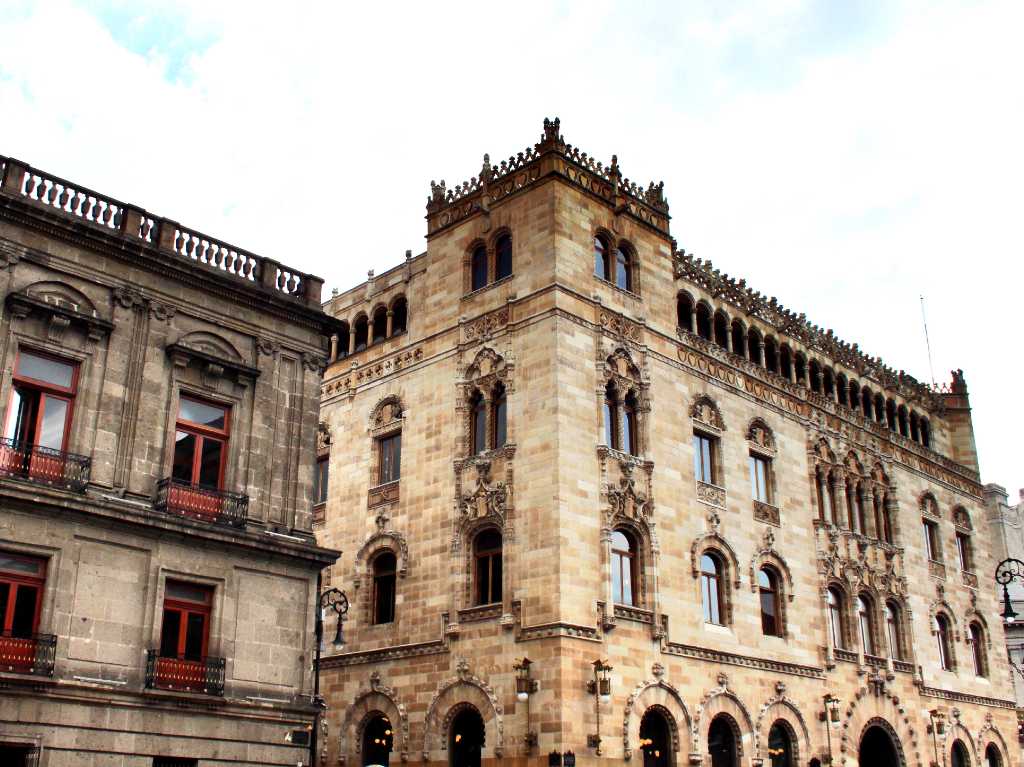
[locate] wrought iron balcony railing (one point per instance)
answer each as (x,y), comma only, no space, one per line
(205,675)
(216,506)
(34,654)
(43,465)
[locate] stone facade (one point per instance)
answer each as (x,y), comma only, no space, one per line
(552,339)
(149,315)
(1008,523)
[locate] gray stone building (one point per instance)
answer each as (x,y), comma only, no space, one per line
(158,574)
(1007,522)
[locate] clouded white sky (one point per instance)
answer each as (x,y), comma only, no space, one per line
(847,157)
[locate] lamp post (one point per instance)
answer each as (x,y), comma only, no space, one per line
(525,687)
(936,728)
(830,716)
(601,688)
(1007,571)
(336,600)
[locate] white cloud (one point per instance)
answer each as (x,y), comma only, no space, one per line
(846,163)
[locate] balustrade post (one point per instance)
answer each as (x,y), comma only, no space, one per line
(131,221)
(268,273)
(167,233)
(314,290)
(14,176)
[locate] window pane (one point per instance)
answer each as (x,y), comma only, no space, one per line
(769,624)
(169,634)
(210,462)
(479,427)
(21,418)
(320,481)
(194,411)
(390,458)
(483,580)
(626,591)
(622,270)
(384,592)
(184,452)
(51,428)
(500,425)
(609,425)
(23,621)
(629,432)
(19,565)
(44,369)
(479,268)
(599,260)
(195,634)
(496,577)
(187,592)
(5,596)
(503,267)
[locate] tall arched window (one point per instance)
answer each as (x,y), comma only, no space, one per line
(399,316)
(343,340)
(958,755)
(362,332)
(942,641)
(771,355)
(478,268)
(499,417)
(865,402)
(487,556)
(629,435)
(611,410)
(768,589)
(837,617)
(721,328)
(892,630)
(623,568)
(602,267)
(816,377)
(380,324)
(786,362)
(704,321)
(722,744)
(384,568)
(754,346)
(684,311)
(711,589)
(866,624)
(378,740)
(780,745)
(739,339)
(478,423)
(992,756)
(503,257)
(624,268)
(800,363)
(978,649)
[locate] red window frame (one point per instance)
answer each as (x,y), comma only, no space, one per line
(204,432)
(184,608)
(16,579)
(46,389)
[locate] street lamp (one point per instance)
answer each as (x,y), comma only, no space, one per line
(601,688)
(336,600)
(525,687)
(1006,571)
(936,728)
(829,715)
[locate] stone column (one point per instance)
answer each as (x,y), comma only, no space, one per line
(388,325)
(334,347)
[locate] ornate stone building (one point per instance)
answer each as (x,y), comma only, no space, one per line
(158,570)
(1008,523)
(695,513)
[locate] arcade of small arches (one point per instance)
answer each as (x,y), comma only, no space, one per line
(384,322)
(777,357)
(850,497)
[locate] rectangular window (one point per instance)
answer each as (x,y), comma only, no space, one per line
(703,459)
(320,481)
(21,595)
(185,631)
(42,400)
(931,541)
(759,473)
(200,443)
(964,553)
(390,452)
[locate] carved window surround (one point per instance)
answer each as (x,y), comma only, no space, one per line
(969,579)
(637,614)
(21,305)
(766,512)
(213,365)
(481,613)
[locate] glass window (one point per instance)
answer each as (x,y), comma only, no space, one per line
(487,553)
(185,630)
(499,415)
(21,597)
(623,568)
(703,459)
(711,588)
(931,540)
(964,552)
(892,631)
(601,259)
(611,431)
(503,257)
(41,402)
(479,268)
(866,622)
(45,370)
(836,621)
(200,444)
(768,587)
(759,468)
(202,414)
(384,570)
(978,649)
(478,410)
(942,640)
(320,481)
(629,435)
(390,458)
(623,269)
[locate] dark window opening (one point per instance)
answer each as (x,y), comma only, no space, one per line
(754,350)
(704,321)
(721,330)
(378,741)
(499,417)
(384,570)
(42,400)
(629,435)
(602,268)
(739,339)
(771,355)
(722,743)
(200,443)
(942,642)
(487,553)
(343,341)
(185,632)
(362,332)
(399,316)
(684,311)
(503,258)
(390,453)
(611,408)
(786,363)
(478,423)
(380,324)
(478,268)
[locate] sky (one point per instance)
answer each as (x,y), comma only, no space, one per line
(847,157)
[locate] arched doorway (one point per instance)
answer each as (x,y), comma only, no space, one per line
(655,739)
(958,756)
(722,742)
(378,740)
(877,748)
(992,756)
(780,745)
(466,738)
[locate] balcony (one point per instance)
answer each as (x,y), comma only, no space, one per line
(28,655)
(217,507)
(44,466)
(204,676)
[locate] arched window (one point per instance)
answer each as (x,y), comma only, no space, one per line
(478,423)
(853,393)
(478,268)
(893,631)
(362,332)
(499,417)
(655,739)
(503,257)
(629,435)
(915,432)
(768,588)
(801,369)
(624,268)
(890,414)
(901,421)
(978,649)
(958,755)
(780,746)
(684,311)
(992,756)
(399,316)
(754,346)
(879,408)
(827,382)
(866,623)
(378,741)
(721,329)
(380,324)
(739,339)
(343,340)
(711,589)
(885,531)
(771,355)
(926,434)
(487,555)
(722,742)
(943,643)
(865,402)
(704,321)
(837,617)
(384,569)
(611,410)
(623,568)
(815,377)
(786,363)
(602,267)
(466,739)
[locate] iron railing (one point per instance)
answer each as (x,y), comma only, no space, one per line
(216,506)
(34,654)
(205,675)
(44,465)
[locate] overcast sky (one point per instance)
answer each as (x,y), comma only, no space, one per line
(846,157)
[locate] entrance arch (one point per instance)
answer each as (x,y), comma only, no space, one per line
(656,739)
(378,740)
(722,745)
(878,748)
(781,745)
(958,756)
(466,738)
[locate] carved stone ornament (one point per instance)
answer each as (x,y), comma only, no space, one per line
(483,328)
(267,347)
(486,499)
(706,412)
(386,413)
(314,363)
(323,437)
(128,297)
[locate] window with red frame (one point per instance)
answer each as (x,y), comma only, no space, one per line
(21,594)
(185,632)
(42,401)
(201,443)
